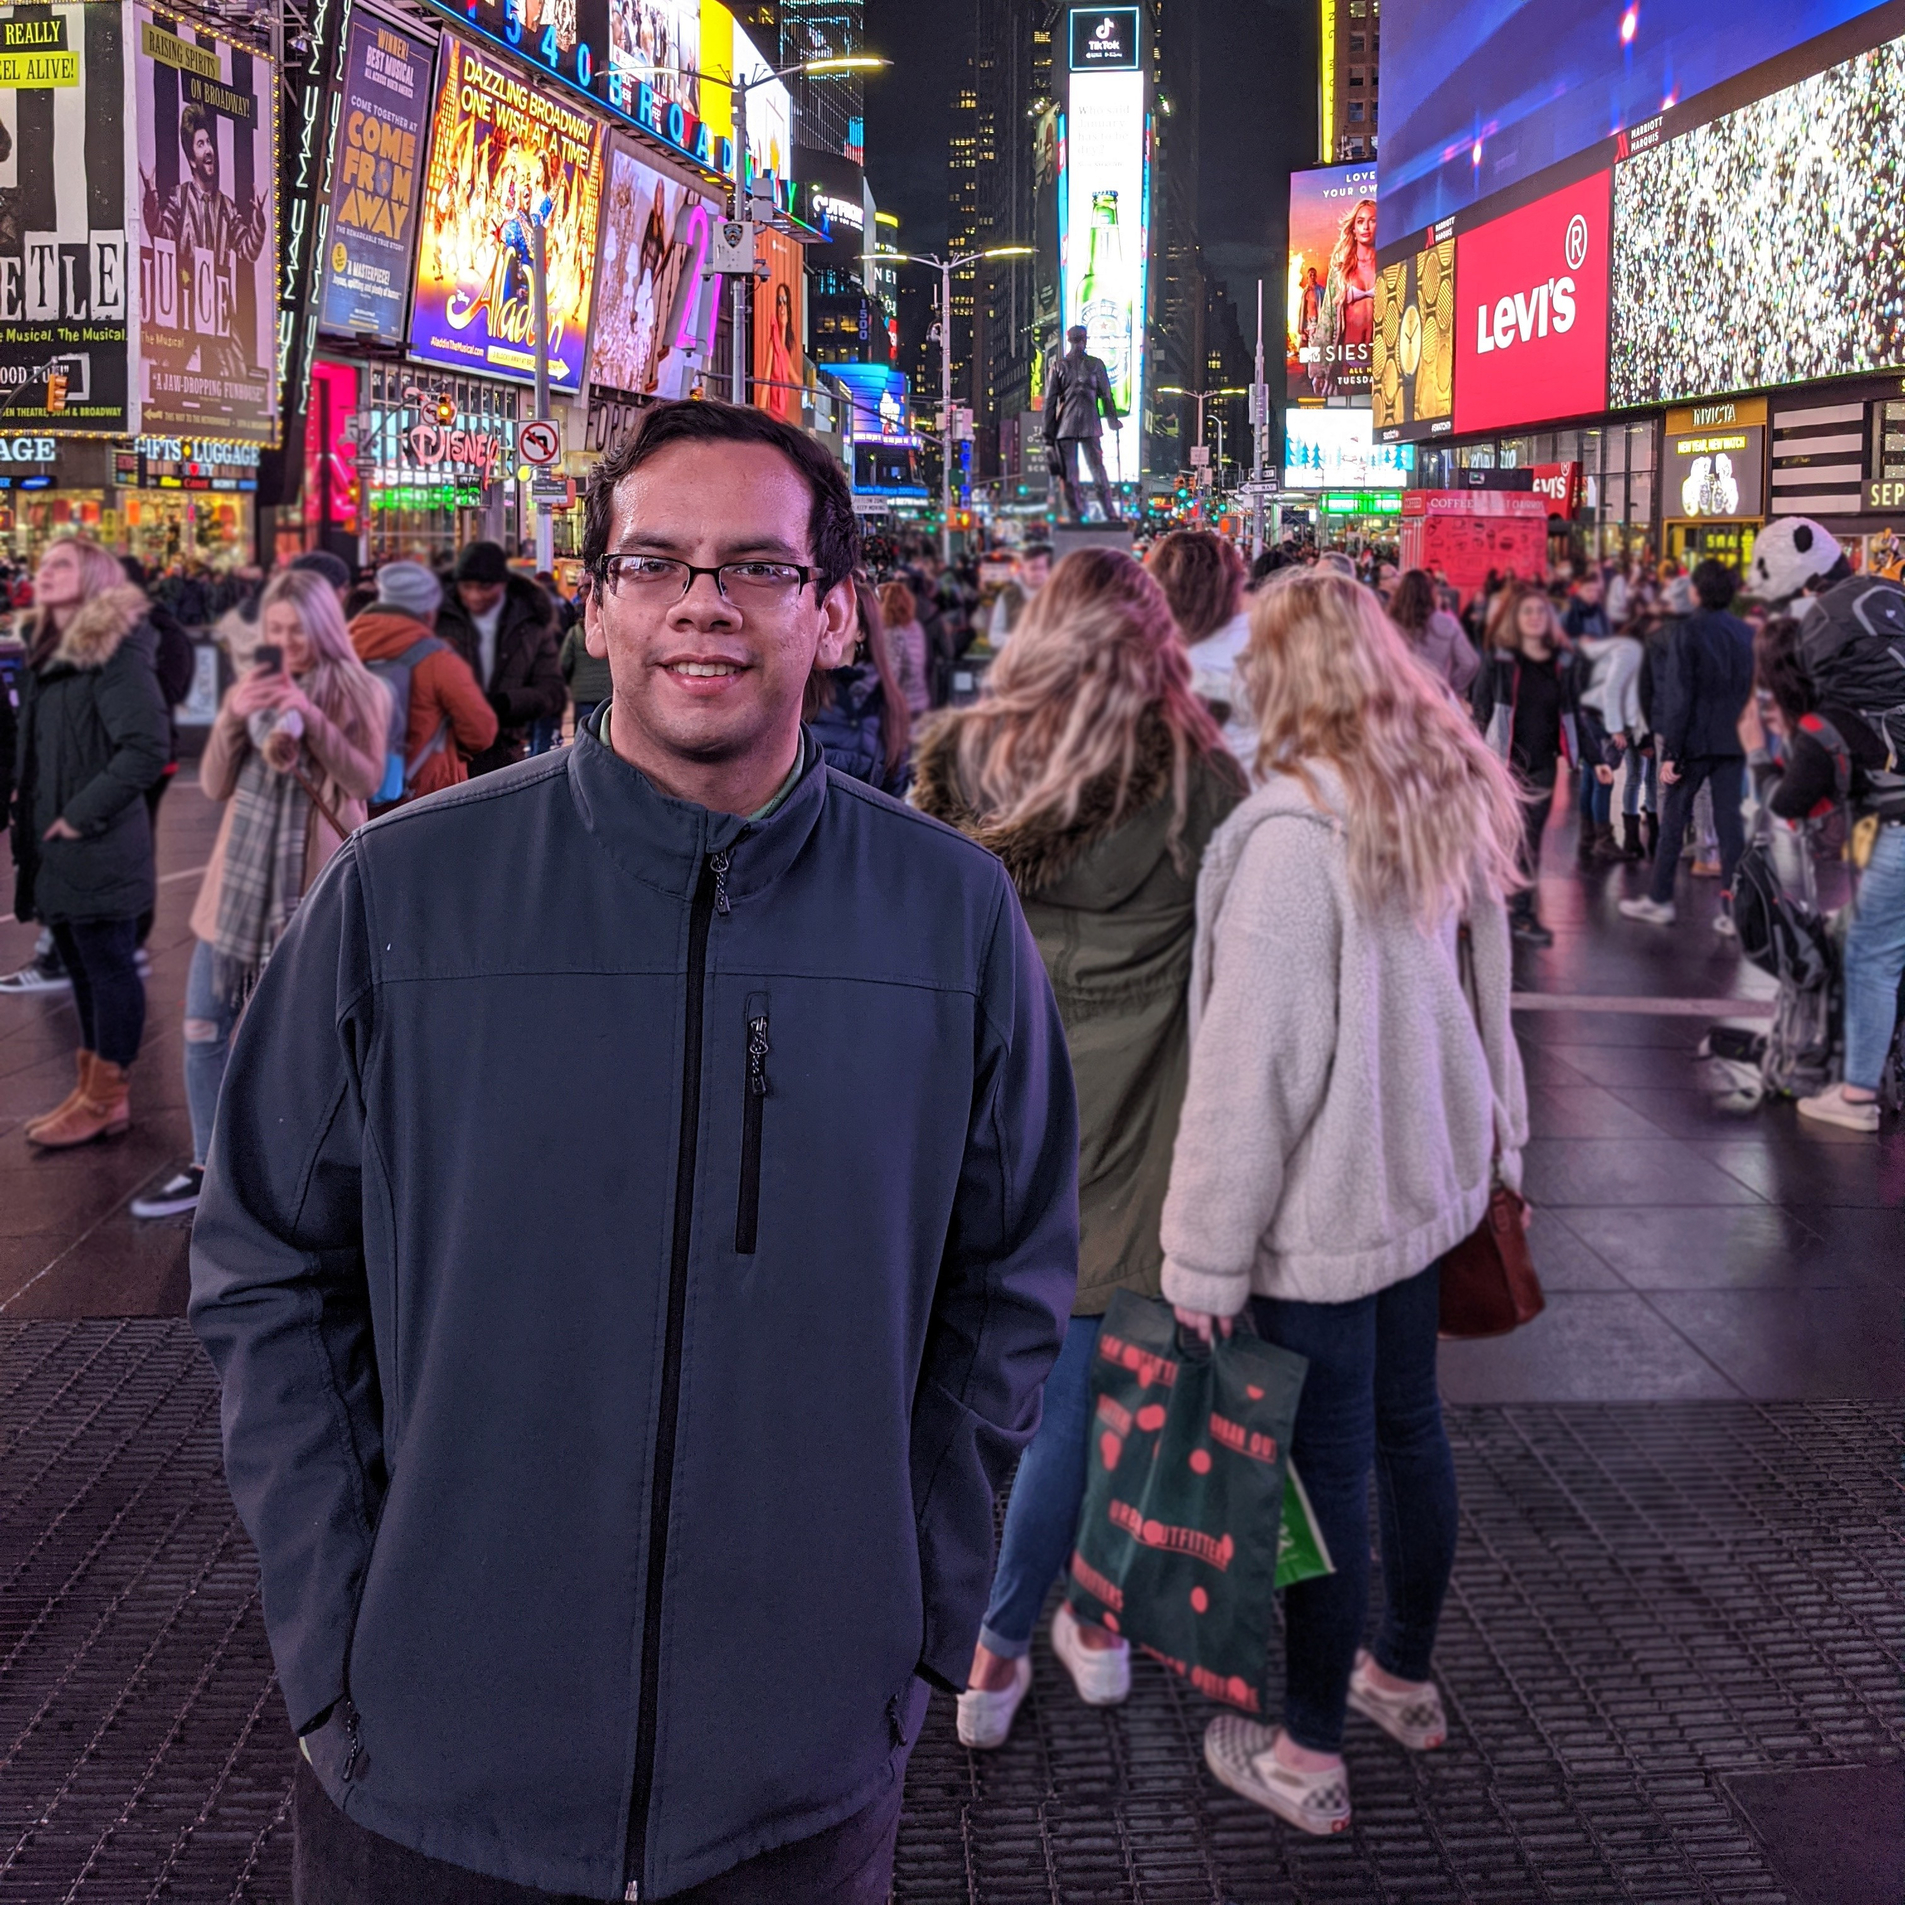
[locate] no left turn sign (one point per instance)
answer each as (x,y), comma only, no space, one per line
(539,442)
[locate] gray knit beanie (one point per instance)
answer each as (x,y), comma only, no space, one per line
(409,588)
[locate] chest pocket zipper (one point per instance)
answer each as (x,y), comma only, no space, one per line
(748,1209)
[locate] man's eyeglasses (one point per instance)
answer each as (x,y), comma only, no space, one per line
(664,580)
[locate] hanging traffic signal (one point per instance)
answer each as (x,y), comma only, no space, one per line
(446,409)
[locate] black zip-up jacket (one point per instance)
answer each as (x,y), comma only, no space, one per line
(1701,687)
(615,1476)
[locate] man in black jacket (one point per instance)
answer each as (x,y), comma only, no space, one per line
(620,1459)
(505,628)
(1079,389)
(1700,690)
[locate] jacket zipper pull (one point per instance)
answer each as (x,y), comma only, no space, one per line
(350,1733)
(757,1050)
(718,865)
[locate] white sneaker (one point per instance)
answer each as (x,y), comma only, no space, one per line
(1654,912)
(984,1719)
(1415,1718)
(1832,1106)
(1239,1752)
(1102,1675)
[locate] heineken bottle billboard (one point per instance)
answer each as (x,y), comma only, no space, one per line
(1104,209)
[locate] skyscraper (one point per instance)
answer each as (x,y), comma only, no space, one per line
(830,112)
(1347,91)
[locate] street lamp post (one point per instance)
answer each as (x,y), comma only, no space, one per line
(946,267)
(1202,458)
(1259,432)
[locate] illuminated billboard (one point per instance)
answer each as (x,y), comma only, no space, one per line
(1478,96)
(1412,361)
(1766,246)
(881,412)
(1334,448)
(1531,311)
(499,147)
(654,303)
(1329,322)
(728,53)
(1104,210)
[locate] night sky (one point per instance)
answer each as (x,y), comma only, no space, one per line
(1259,71)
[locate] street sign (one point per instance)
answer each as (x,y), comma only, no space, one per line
(1200,456)
(539,441)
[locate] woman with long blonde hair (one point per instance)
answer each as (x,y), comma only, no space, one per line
(1091,768)
(297,749)
(1354,1092)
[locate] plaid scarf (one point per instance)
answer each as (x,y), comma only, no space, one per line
(264,874)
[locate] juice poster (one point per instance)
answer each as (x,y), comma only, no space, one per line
(499,147)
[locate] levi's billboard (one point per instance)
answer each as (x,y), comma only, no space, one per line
(1531,311)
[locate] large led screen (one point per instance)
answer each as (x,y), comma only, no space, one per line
(1104,219)
(1412,361)
(654,303)
(499,147)
(1478,95)
(1767,246)
(1329,320)
(1333,449)
(1531,311)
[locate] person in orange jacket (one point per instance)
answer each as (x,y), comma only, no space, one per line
(450,718)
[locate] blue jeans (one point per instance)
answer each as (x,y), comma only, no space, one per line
(1370,1396)
(1596,796)
(1727,776)
(1638,792)
(209,1023)
(1041,1520)
(1874,959)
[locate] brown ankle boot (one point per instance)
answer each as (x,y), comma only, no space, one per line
(103,1111)
(31,1127)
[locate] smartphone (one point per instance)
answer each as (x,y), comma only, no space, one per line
(268,658)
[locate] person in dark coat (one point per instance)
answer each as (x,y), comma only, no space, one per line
(619,1486)
(857,712)
(504,626)
(1700,689)
(95,734)
(175,661)
(1078,391)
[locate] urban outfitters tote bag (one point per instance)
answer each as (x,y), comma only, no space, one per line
(1179,1534)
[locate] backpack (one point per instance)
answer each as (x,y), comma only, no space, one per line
(1852,646)
(1777,936)
(394,672)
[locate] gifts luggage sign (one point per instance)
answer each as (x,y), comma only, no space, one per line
(1183,1521)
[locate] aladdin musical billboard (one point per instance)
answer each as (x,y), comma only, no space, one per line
(65,133)
(207,113)
(1329,323)
(499,148)
(376,180)
(654,307)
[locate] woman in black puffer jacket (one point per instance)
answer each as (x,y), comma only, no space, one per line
(94,734)
(858,713)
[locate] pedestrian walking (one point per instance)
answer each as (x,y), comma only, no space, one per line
(641,1214)
(1202,576)
(907,643)
(294,755)
(1097,775)
(175,662)
(857,712)
(441,719)
(1700,691)
(504,627)
(1348,1113)
(94,735)
(1524,703)
(1438,640)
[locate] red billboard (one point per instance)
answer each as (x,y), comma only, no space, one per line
(1531,311)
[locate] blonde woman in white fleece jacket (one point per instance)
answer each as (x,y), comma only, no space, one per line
(1341,1129)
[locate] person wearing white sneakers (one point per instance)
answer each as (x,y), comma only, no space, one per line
(1096,774)
(1348,1113)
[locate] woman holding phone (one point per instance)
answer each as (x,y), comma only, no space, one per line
(297,750)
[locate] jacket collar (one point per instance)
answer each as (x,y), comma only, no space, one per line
(665,843)
(103,621)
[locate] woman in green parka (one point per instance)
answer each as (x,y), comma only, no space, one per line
(1098,777)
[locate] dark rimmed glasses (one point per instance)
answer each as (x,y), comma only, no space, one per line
(664,580)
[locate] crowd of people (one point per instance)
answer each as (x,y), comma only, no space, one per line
(930,971)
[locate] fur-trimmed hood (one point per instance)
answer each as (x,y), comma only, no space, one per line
(1041,853)
(93,637)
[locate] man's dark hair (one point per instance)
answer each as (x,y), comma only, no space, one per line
(1715,584)
(832,529)
(1031,551)
(194,119)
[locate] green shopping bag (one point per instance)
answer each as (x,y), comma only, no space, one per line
(1302,1553)
(1182,1526)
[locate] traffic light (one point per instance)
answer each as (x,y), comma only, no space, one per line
(55,390)
(446,409)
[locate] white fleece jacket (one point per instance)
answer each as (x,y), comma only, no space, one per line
(1342,1114)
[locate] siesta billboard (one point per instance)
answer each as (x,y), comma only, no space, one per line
(1329,321)
(1104,210)
(1531,311)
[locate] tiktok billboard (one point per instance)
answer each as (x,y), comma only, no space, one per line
(500,147)
(1531,311)
(1104,212)
(208,228)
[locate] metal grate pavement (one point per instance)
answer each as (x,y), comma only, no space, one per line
(1648,1599)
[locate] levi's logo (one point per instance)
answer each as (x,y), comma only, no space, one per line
(1526,315)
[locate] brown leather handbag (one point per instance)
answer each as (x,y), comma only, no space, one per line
(1489,1286)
